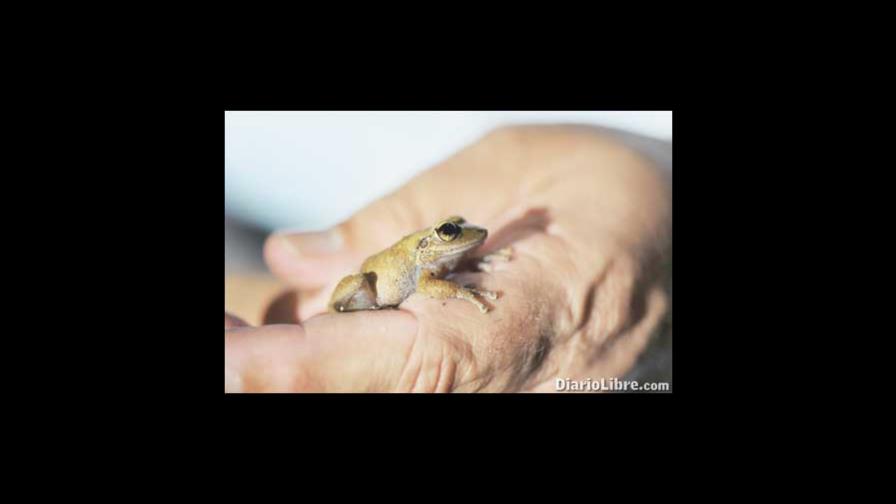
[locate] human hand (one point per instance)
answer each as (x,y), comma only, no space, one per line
(589,222)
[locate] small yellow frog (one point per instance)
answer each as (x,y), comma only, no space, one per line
(417,263)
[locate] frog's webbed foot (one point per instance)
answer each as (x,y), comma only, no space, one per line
(484,293)
(502,255)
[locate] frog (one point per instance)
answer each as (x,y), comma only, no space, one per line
(419,262)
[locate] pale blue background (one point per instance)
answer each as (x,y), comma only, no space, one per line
(309,170)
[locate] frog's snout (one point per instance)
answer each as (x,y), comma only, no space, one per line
(481,235)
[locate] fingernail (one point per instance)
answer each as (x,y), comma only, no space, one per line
(313,244)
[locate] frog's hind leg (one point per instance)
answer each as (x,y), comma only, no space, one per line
(444,289)
(354,292)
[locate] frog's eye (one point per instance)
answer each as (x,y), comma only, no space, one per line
(423,243)
(448,231)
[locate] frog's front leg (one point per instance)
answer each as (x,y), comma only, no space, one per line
(354,292)
(438,288)
(502,255)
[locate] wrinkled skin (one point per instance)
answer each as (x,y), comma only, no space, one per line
(589,222)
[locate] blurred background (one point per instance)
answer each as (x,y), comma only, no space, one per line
(310,170)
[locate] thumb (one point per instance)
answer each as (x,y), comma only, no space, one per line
(307,260)
(355,352)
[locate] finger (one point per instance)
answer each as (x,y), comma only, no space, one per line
(358,352)
(308,260)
